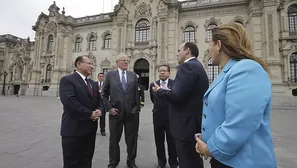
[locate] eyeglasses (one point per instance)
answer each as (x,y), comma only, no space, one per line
(125,61)
(90,63)
(163,71)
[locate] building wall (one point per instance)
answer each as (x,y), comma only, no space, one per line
(266,23)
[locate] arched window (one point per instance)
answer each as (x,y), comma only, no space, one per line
(48,73)
(107,42)
(209,32)
(189,34)
(92,43)
(77,46)
(142,31)
(50,43)
(292,15)
(213,71)
(293,68)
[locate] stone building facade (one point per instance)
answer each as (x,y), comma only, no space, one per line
(149,32)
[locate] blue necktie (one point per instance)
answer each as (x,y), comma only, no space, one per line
(124,83)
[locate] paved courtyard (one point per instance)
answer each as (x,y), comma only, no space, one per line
(29,134)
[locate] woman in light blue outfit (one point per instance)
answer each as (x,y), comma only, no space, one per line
(236,112)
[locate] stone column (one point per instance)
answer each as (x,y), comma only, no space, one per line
(34,84)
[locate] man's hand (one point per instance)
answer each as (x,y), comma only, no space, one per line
(201,147)
(96,114)
(156,87)
(113,111)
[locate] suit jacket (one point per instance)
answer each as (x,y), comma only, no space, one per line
(126,101)
(141,93)
(236,116)
(186,99)
(161,107)
(78,105)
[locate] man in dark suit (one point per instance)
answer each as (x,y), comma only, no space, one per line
(120,92)
(100,83)
(186,100)
(141,92)
(161,121)
(82,106)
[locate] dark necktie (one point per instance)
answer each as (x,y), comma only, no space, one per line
(124,83)
(89,86)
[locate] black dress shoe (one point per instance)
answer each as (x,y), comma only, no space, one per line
(132,166)
(103,133)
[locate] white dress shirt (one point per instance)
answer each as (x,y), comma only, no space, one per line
(83,77)
(189,59)
(120,73)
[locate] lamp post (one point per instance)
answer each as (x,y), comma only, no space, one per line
(3,89)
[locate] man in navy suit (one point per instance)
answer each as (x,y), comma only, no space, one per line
(82,106)
(161,121)
(100,83)
(186,102)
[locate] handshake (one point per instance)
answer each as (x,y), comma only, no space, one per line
(96,114)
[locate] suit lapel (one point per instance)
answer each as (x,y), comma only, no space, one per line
(129,79)
(82,82)
(170,83)
(221,76)
(117,78)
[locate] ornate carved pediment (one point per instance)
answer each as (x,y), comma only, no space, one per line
(51,27)
(40,21)
(107,32)
(212,20)
(238,19)
(143,10)
(105,62)
(190,23)
(78,36)
(93,58)
(162,7)
(90,34)
(53,9)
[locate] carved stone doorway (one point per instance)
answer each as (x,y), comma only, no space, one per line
(142,68)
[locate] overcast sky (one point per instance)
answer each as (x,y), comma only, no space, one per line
(18,16)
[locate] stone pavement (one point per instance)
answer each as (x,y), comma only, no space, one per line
(29,134)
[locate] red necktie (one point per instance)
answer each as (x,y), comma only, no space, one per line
(89,86)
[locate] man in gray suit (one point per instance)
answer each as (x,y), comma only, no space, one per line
(120,93)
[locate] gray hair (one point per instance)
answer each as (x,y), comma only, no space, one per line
(121,55)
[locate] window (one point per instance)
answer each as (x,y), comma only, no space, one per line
(50,43)
(142,31)
(209,31)
(213,71)
(92,43)
(293,68)
(48,73)
(189,34)
(77,46)
(292,15)
(107,42)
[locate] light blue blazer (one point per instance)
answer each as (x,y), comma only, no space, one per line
(236,116)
